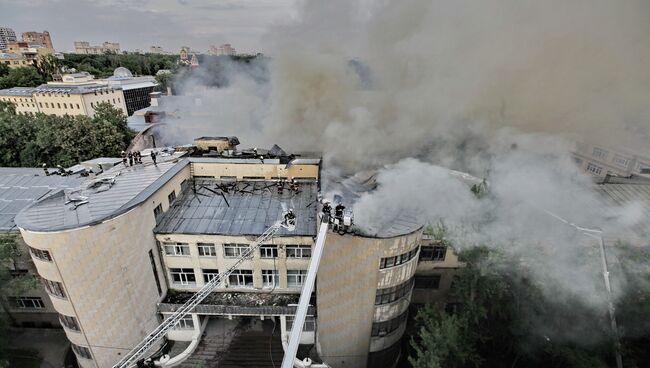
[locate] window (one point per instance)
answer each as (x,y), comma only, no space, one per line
(234,250)
(78,107)
(91,104)
(26,302)
(183,276)
(241,278)
(600,153)
(43,255)
(171,197)
(177,249)
(157,211)
(81,351)
(595,169)
(58,105)
(433,253)
(270,278)
(47,105)
(268,251)
(207,250)
(298,251)
(65,106)
(427,282)
(296,278)
(185,323)
(310,324)
(155,271)
(384,328)
(54,288)
(209,274)
(113,101)
(69,322)
(393,261)
(621,161)
(391,294)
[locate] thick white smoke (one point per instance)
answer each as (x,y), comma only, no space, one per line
(499,88)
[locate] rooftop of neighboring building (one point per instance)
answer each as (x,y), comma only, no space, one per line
(20,187)
(18,91)
(240,208)
(104,196)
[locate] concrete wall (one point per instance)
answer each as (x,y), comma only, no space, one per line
(107,275)
(24,104)
(348,279)
(446,269)
(268,171)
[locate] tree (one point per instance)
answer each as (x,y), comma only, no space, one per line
(11,284)
(21,77)
(4,69)
(48,65)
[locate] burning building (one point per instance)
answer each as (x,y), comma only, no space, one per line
(122,251)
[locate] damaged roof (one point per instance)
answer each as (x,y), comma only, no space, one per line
(20,187)
(240,208)
(98,198)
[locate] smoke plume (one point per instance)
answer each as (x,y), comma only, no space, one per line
(498,88)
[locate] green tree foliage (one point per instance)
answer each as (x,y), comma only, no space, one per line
(10,285)
(48,65)
(31,140)
(500,318)
(4,69)
(21,77)
(102,66)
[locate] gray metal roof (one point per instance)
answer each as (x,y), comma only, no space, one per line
(19,187)
(75,89)
(18,91)
(239,208)
(621,192)
(132,186)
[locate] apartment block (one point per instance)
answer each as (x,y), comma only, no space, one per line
(7,35)
(84,47)
(599,161)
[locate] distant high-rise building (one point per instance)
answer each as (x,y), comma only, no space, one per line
(225,49)
(156,50)
(83,47)
(38,38)
(6,35)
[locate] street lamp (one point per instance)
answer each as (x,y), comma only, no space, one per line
(598,235)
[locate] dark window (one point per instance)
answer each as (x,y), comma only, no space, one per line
(157,211)
(391,294)
(81,351)
(433,253)
(155,271)
(298,251)
(183,276)
(209,274)
(427,282)
(207,249)
(26,302)
(241,278)
(54,288)
(384,328)
(69,322)
(388,262)
(269,251)
(43,255)
(171,197)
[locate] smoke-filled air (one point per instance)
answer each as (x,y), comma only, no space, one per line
(409,90)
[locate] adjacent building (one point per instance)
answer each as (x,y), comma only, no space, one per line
(601,161)
(7,35)
(156,50)
(38,38)
(79,94)
(84,47)
(225,49)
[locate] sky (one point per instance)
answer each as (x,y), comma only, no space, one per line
(139,24)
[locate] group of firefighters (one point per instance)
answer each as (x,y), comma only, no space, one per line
(339,210)
(136,157)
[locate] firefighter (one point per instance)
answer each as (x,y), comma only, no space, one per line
(338,212)
(289,218)
(327,211)
(47,173)
(130,158)
(124,158)
(153,157)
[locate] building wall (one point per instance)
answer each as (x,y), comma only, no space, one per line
(108,278)
(348,279)
(60,103)
(221,263)
(444,269)
(268,171)
(599,160)
(24,104)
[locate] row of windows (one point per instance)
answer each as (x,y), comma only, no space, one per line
(391,294)
(81,351)
(595,169)
(309,326)
(43,255)
(433,253)
(69,322)
(235,250)
(427,282)
(101,92)
(26,302)
(393,261)
(238,278)
(384,328)
(54,288)
(158,211)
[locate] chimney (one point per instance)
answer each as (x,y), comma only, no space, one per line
(155,98)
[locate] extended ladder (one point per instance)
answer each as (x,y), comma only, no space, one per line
(131,358)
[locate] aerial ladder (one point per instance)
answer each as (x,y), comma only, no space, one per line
(136,355)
